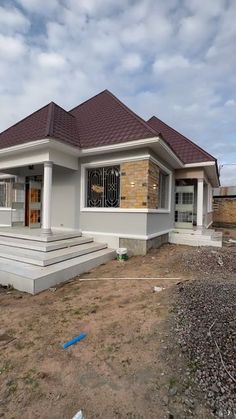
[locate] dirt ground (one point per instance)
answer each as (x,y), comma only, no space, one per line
(126,367)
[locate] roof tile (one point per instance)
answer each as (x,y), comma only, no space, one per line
(104,120)
(184,148)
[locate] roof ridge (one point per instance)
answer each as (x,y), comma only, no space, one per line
(190,141)
(23,119)
(60,107)
(127,109)
(50,120)
(87,100)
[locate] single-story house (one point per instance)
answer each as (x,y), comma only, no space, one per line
(97,172)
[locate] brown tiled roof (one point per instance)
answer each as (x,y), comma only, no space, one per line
(50,121)
(104,120)
(101,120)
(184,148)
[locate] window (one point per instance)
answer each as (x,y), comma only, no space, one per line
(103,187)
(5,193)
(164,190)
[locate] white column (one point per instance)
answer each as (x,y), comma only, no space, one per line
(47,198)
(200,195)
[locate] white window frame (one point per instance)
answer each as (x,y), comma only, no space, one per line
(118,161)
(159,191)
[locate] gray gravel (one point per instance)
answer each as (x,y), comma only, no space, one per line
(206,318)
(219,262)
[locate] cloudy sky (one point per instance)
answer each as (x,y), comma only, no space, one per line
(172,58)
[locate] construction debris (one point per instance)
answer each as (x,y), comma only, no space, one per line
(158,289)
(74,340)
(206,332)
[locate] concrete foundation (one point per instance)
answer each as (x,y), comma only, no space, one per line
(141,247)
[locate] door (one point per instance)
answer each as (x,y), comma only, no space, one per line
(184,206)
(34,204)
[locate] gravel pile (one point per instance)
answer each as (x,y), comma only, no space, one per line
(216,262)
(206,332)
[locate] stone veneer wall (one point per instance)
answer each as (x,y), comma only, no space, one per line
(139,184)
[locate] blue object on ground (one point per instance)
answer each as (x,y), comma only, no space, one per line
(74,340)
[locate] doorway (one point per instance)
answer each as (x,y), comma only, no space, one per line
(33,201)
(184,206)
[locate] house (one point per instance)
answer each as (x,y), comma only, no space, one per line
(74,180)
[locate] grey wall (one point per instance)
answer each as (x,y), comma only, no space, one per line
(5,217)
(158,222)
(65,198)
(117,223)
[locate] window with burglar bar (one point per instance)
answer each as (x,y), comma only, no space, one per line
(5,193)
(103,187)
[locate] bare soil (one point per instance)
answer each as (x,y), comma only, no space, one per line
(127,367)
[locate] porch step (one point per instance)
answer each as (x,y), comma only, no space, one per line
(34,279)
(36,234)
(41,258)
(42,246)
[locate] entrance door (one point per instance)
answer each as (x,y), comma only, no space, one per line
(34,204)
(184,206)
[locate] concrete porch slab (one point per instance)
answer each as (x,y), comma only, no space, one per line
(36,234)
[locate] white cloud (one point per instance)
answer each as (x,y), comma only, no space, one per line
(131,62)
(11,48)
(51,60)
(230,102)
(174,59)
(12,20)
(167,63)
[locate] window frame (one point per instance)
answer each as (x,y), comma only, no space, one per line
(8,192)
(104,185)
(119,161)
(168,192)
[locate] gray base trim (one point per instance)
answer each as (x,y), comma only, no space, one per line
(141,247)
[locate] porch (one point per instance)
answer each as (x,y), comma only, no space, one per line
(32,261)
(194,210)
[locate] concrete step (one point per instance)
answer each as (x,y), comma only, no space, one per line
(42,246)
(39,258)
(203,238)
(189,240)
(36,234)
(34,279)
(204,232)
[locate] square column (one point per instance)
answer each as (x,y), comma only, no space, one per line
(47,198)
(200,197)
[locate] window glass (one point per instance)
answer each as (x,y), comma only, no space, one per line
(103,187)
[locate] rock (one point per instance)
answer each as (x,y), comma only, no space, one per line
(173,391)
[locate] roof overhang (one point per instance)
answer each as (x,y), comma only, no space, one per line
(156,144)
(37,148)
(211,170)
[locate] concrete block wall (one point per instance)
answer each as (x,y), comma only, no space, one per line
(139,184)
(224,211)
